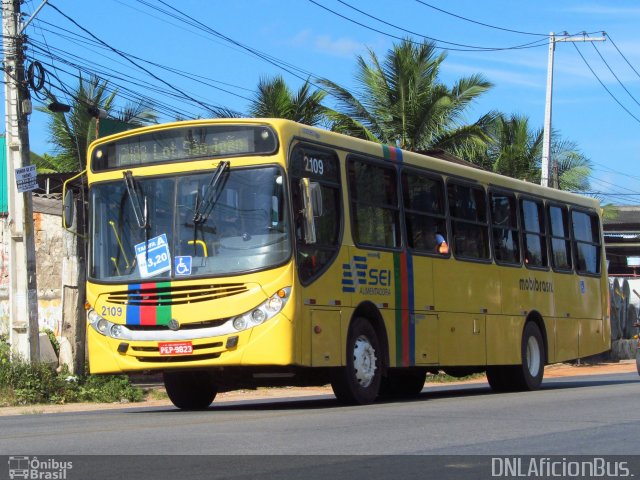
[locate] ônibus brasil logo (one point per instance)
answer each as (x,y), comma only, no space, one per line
(40,469)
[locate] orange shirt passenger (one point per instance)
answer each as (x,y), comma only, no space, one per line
(441,245)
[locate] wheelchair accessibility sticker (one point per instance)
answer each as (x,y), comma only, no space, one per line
(182,265)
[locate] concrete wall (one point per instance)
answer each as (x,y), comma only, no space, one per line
(48,237)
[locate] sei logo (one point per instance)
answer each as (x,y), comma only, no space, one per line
(379,277)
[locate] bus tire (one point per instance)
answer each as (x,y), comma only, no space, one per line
(358,383)
(638,360)
(190,390)
(403,383)
(528,375)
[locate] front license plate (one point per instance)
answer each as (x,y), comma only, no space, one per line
(175,348)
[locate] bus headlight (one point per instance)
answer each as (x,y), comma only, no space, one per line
(107,328)
(258,316)
(117,331)
(240,323)
(102,326)
(263,312)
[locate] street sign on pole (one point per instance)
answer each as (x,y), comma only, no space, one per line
(26,178)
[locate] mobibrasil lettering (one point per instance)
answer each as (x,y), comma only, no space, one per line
(359,276)
(535,285)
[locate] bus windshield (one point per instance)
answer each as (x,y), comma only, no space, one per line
(215,223)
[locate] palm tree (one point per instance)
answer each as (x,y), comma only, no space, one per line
(402,101)
(274,99)
(571,168)
(72,132)
(515,150)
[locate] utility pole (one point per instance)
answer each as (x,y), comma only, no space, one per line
(23,292)
(546,136)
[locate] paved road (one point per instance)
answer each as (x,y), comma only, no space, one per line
(594,415)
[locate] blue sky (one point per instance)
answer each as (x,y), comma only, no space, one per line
(315,42)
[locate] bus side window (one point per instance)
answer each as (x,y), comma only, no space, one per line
(375,210)
(534,233)
(586,241)
(504,226)
(560,238)
(423,199)
(469,223)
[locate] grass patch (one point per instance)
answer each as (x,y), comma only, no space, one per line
(442,377)
(157,394)
(23,383)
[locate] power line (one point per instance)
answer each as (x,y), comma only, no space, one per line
(164,67)
(604,86)
(609,169)
(472,49)
(127,81)
(431,38)
(192,21)
(622,55)
(172,87)
(131,96)
(614,75)
(480,23)
(198,79)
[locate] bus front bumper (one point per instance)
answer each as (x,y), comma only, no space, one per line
(269,343)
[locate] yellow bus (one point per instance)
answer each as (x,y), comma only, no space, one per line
(237,252)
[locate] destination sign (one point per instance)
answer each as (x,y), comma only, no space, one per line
(184,144)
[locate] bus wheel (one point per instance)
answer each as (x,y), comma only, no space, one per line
(638,360)
(358,382)
(528,376)
(190,390)
(403,383)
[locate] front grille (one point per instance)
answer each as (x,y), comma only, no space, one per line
(175,295)
(183,326)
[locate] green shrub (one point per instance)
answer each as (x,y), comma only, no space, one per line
(109,388)
(23,383)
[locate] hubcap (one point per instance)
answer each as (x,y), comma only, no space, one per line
(533,356)
(364,361)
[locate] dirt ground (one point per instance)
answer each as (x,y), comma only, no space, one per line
(551,371)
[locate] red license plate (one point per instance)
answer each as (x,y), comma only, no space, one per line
(175,348)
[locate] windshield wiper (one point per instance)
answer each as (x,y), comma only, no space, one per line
(138,211)
(203,209)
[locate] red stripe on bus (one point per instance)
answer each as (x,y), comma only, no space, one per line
(147,311)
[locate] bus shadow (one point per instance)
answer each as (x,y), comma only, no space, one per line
(431,392)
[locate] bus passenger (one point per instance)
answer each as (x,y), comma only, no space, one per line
(441,244)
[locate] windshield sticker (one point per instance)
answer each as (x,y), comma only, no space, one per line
(153,256)
(182,265)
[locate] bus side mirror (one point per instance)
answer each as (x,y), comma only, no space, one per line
(311,208)
(69,207)
(68,211)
